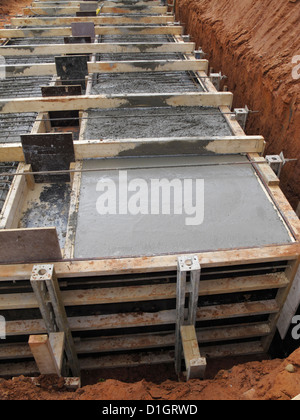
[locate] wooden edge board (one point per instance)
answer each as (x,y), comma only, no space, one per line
(99,30)
(99,20)
(9,216)
(99,267)
(114,295)
(49,69)
(73,210)
(129,360)
(73,103)
(143,341)
(70,10)
(88,149)
(107,2)
(111,48)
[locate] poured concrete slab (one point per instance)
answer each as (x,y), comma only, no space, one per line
(237,211)
(160,82)
(47,206)
(155,122)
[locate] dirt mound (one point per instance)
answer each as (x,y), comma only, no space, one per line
(267,380)
(253,43)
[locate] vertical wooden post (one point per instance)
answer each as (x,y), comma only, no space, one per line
(44,355)
(195,364)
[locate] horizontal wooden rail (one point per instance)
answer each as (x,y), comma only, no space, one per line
(143,341)
(99,30)
(73,103)
(49,69)
(100,48)
(99,20)
(71,10)
(128,360)
(146,293)
(119,266)
(70,3)
(89,149)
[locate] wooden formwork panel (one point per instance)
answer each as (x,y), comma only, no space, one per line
(99,30)
(247,327)
(219,323)
(71,10)
(99,20)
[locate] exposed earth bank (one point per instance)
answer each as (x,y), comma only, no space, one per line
(253,43)
(267,380)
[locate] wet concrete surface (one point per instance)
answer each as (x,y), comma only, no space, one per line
(155,122)
(47,206)
(236,210)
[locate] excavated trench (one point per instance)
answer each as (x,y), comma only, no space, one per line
(253,44)
(148,122)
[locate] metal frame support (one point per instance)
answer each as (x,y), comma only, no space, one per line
(186,264)
(241,115)
(276,162)
(216,78)
(46,288)
(199,54)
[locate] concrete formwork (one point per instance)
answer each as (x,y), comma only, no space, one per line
(117,274)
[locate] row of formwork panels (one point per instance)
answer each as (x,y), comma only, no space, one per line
(225,329)
(123,309)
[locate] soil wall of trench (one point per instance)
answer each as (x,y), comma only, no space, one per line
(254,43)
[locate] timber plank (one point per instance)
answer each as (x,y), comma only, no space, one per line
(71,103)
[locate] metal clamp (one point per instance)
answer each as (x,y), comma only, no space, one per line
(186,264)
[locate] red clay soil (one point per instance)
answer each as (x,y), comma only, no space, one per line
(10,8)
(253,43)
(266,380)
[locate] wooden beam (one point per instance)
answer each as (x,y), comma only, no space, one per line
(71,10)
(70,3)
(73,211)
(12,208)
(107,2)
(265,170)
(100,48)
(139,341)
(49,69)
(131,294)
(99,20)
(137,359)
(43,354)
(73,103)
(89,149)
(88,268)
(11,152)
(99,30)
(195,364)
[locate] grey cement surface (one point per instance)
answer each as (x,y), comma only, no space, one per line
(22,87)
(48,206)
(237,212)
(136,38)
(160,82)
(13,125)
(155,122)
(140,56)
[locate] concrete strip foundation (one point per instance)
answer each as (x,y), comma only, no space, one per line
(236,211)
